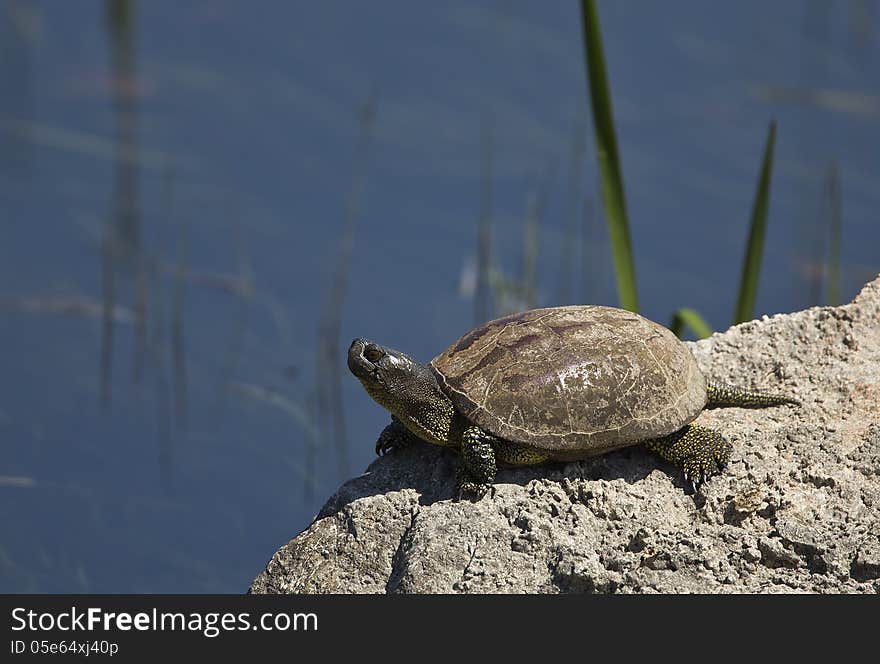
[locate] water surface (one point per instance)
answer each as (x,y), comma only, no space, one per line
(187,190)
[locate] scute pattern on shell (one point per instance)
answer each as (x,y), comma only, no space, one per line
(573,378)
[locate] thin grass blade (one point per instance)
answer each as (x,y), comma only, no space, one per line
(748,286)
(609,160)
(688,318)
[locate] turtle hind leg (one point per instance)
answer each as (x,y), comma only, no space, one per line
(721,394)
(699,451)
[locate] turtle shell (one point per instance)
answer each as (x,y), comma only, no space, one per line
(578,378)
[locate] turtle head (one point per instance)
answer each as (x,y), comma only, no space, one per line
(406,388)
(385,370)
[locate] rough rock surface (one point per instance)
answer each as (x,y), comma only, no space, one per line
(797,510)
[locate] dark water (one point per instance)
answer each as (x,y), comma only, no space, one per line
(181,185)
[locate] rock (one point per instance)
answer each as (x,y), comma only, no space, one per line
(797,509)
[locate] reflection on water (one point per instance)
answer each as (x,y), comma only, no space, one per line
(575,185)
(483,299)
(202,205)
(19,31)
(328,367)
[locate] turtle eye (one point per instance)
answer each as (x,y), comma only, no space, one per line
(373,354)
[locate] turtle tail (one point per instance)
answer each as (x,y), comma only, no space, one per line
(721,394)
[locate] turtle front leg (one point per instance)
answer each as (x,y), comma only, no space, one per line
(394,437)
(477,470)
(699,451)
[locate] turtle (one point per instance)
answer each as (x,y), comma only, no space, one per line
(554,384)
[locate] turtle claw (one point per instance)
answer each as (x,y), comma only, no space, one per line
(696,479)
(392,438)
(473,491)
(384,444)
(698,451)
